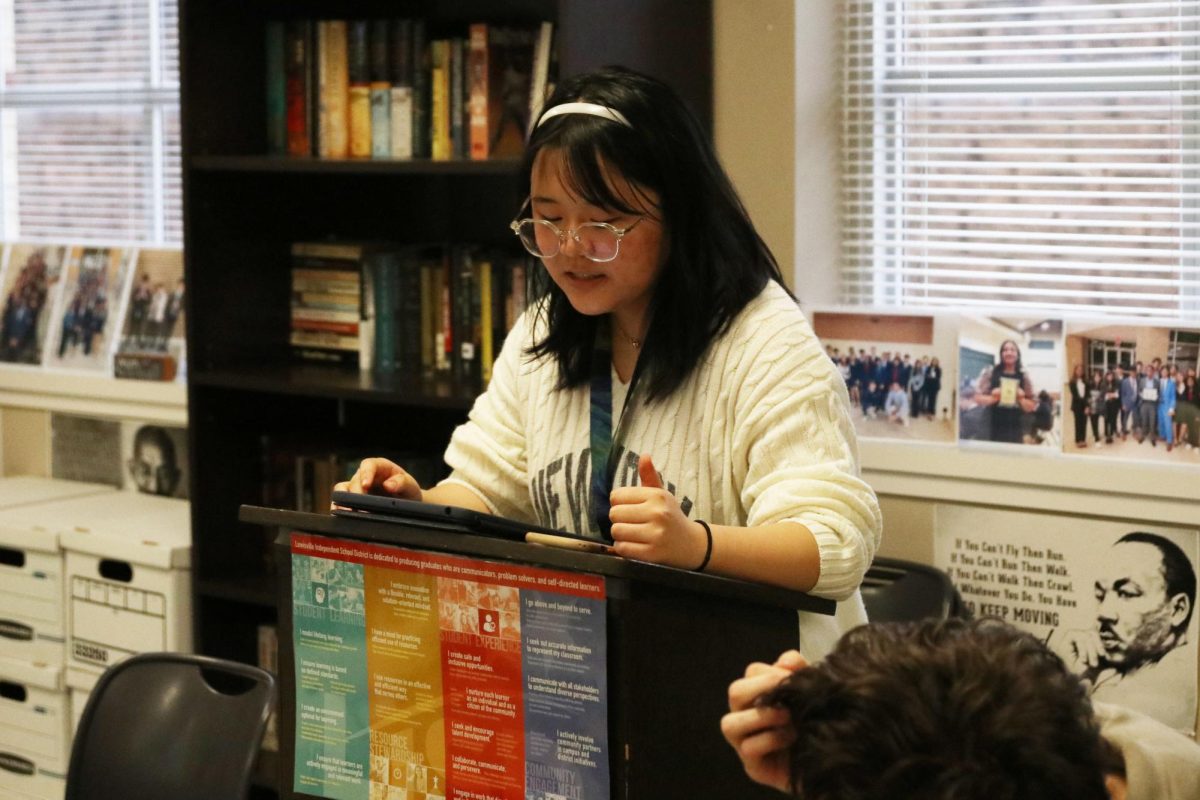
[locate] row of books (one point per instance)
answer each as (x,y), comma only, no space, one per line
(115,311)
(386,88)
(300,474)
(414,309)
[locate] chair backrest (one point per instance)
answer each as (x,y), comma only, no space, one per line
(900,591)
(170,725)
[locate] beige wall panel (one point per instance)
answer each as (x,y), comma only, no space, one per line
(754,104)
(25,441)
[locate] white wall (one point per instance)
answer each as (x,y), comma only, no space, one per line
(754,85)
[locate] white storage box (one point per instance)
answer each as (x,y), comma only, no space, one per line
(31,574)
(35,735)
(77,699)
(127,562)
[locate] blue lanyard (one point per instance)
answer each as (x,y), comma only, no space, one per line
(605,442)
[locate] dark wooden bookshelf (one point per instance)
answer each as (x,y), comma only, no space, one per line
(368,166)
(243,209)
(422,391)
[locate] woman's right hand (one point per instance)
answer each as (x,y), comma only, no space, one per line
(380,476)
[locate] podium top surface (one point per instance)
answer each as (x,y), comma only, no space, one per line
(384,531)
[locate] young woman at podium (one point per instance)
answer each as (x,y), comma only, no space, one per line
(666,392)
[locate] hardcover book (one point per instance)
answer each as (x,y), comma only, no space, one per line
(401,112)
(298,77)
(276,87)
(381,90)
(510,57)
(358,68)
(477,90)
(327,303)
(333,86)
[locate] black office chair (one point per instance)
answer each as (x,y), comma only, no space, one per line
(895,590)
(170,725)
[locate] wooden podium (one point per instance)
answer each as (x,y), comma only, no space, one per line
(675,639)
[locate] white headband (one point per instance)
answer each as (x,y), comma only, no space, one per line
(586,108)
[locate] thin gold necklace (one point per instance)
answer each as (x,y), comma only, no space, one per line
(637,343)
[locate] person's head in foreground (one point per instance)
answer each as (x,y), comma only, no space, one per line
(943,710)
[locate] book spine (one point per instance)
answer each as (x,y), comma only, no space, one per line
(477,90)
(298,99)
(501,303)
(402,92)
(326,253)
(276,87)
(300,322)
(485,320)
(333,301)
(381,90)
(458,124)
(358,69)
(539,77)
(313,281)
(312,85)
(439,108)
(420,90)
(408,314)
(324,355)
(464,355)
(510,51)
(427,306)
(334,89)
(332,340)
(386,278)
(366,313)
(442,341)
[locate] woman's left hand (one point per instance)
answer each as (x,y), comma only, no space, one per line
(649,525)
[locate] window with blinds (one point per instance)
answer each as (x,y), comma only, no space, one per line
(1022,155)
(89,121)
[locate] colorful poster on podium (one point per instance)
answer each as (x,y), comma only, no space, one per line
(424,676)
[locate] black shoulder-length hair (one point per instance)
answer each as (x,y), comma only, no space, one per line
(716,261)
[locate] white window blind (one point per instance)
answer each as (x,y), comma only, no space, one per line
(89,121)
(1033,155)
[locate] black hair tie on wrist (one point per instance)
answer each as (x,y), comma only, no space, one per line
(708,550)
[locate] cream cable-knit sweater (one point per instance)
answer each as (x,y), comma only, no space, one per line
(759,433)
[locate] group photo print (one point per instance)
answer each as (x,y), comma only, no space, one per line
(899,372)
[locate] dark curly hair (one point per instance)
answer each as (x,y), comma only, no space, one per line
(943,710)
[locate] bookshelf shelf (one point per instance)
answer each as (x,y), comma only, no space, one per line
(352,166)
(76,393)
(254,590)
(312,381)
(247,401)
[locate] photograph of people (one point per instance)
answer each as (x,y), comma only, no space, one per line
(154,322)
(32,279)
(893,368)
(1145,593)
(96,278)
(1148,408)
(1008,388)
(666,361)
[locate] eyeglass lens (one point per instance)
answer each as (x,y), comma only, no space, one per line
(597,242)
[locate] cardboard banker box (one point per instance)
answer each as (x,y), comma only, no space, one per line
(128,582)
(35,739)
(31,566)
